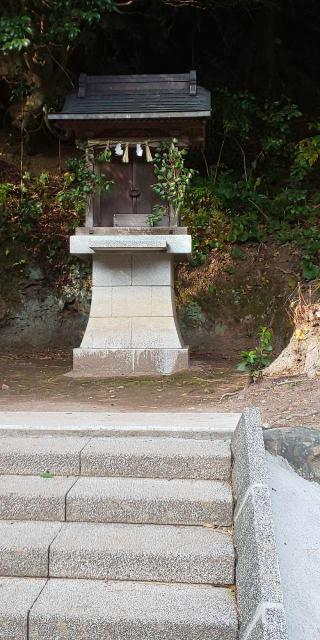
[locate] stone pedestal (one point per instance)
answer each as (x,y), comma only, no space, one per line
(132,328)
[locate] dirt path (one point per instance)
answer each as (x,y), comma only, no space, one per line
(35,382)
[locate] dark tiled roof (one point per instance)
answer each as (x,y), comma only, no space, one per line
(137,96)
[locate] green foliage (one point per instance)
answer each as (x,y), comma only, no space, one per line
(20,207)
(241,115)
(307,155)
(156,215)
(49,24)
(37,41)
(255,360)
(173,177)
(15,33)
(5,188)
(80,182)
(263,183)
(40,214)
(105,155)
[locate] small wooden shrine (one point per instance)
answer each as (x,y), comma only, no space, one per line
(132,328)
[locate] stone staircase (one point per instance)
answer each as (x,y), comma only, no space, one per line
(116,538)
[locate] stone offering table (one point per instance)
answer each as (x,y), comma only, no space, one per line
(132,328)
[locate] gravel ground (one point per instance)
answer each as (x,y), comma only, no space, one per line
(296,509)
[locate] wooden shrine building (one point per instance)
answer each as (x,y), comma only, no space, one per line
(132,328)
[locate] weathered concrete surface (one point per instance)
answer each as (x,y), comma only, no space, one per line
(33,498)
(151,457)
(145,500)
(116,301)
(157,458)
(109,363)
(271,624)
(249,467)
(24,547)
(89,244)
(258,578)
(190,424)
(296,513)
(34,455)
(132,327)
(77,609)
(17,595)
(142,552)
(259,593)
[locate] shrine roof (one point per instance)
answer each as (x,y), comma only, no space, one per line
(135,97)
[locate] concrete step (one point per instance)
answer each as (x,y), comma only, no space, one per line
(17,596)
(33,497)
(142,552)
(32,455)
(136,500)
(147,500)
(138,456)
(126,538)
(182,424)
(80,609)
(116,552)
(24,547)
(157,458)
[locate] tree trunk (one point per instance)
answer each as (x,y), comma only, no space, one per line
(173,216)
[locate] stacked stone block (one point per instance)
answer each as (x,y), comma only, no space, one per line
(132,328)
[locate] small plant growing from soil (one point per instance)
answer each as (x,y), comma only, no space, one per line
(254,361)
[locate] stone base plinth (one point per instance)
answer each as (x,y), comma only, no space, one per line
(109,363)
(132,328)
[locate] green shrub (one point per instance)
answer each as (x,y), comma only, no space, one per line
(263,183)
(255,360)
